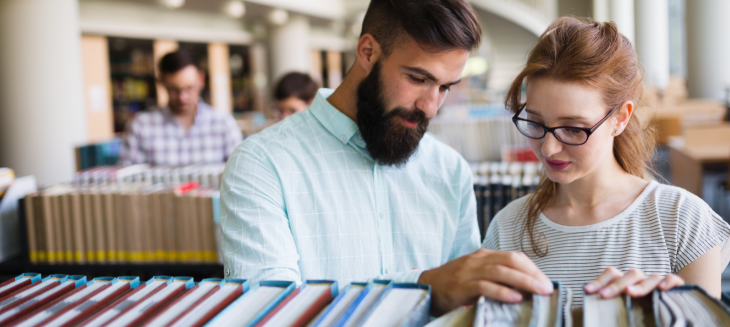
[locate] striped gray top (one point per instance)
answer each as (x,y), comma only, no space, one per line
(662,231)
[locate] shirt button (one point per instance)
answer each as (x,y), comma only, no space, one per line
(382,215)
(343,138)
(359,136)
(228,272)
(387,270)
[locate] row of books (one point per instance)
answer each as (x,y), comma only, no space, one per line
(61,300)
(134,214)
(98,154)
(496,184)
(477,136)
(682,306)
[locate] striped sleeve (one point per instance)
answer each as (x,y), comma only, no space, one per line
(697,228)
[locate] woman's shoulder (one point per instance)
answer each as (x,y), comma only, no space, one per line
(669,198)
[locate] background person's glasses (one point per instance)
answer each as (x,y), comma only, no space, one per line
(566,134)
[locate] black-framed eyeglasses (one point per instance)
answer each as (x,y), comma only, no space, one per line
(567,134)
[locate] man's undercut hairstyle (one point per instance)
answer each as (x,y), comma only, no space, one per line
(173,62)
(436,25)
(298,85)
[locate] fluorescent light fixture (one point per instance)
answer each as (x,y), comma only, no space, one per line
(172,4)
(277,16)
(234,8)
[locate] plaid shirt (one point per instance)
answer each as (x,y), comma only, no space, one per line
(157,138)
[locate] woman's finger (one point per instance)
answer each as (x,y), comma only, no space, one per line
(631,277)
(645,287)
(606,277)
(670,281)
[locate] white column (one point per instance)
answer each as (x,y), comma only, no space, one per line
(652,40)
(601,10)
(42,114)
(290,47)
(622,13)
(708,48)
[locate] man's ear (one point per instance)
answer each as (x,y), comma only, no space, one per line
(201,75)
(368,52)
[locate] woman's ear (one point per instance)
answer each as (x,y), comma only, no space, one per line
(622,117)
(368,52)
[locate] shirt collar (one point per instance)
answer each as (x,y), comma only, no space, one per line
(200,115)
(338,124)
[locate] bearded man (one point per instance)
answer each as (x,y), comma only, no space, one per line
(352,188)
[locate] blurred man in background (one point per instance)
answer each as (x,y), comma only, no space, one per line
(188,130)
(293,93)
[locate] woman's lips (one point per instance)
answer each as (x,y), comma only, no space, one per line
(557,164)
(408,123)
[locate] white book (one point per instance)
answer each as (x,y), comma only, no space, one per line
(365,304)
(395,307)
(243,311)
(298,305)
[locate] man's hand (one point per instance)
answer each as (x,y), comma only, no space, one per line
(483,273)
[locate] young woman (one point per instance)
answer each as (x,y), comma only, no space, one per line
(594,218)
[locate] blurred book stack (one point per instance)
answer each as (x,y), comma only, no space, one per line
(98,154)
(496,184)
(134,214)
(479,132)
(62,300)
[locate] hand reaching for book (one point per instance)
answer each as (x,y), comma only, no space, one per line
(613,282)
(487,273)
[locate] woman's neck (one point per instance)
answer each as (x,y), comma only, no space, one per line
(596,197)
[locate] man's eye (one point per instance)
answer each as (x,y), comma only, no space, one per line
(416,79)
(446,88)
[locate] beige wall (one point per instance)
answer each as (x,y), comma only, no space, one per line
(220,77)
(97,88)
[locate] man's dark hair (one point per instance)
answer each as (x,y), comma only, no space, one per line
(436,25)
(295,84)
(173,62)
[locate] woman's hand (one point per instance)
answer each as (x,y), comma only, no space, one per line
(613,282)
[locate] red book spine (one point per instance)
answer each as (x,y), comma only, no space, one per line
(103,303)
(115,303)
(13,301)
(277,308)
(313,310)
(6,290)
(219,307)
(66,308)
(152,310)
(40,302)
(194,305)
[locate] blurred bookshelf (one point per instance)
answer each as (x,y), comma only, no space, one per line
(132,78)
(241,79)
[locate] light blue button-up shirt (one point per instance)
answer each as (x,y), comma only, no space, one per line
(304,200)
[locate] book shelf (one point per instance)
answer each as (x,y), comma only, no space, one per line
(241,79)
(22,263)
(132,78)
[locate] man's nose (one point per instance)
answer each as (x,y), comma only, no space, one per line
(428,102)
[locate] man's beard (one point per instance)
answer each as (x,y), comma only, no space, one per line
(389,142)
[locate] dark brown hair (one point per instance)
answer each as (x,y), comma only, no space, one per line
(173,62)
(299,85)
(597,55)
(436,25)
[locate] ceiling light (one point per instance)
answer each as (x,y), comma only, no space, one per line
(277,16)
(172,4)
(235,8)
